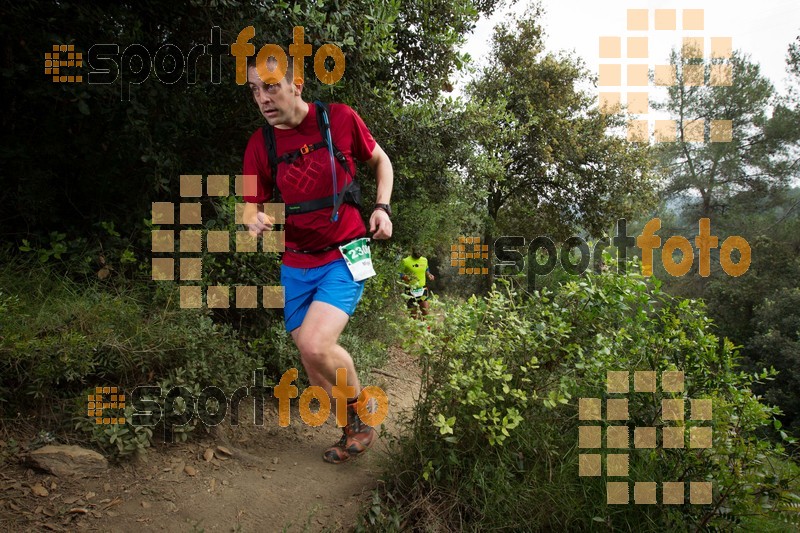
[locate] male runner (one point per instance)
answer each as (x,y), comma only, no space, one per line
(320,292)
(414,270)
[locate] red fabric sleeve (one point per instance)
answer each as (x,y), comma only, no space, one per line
(255,163)
(363,142)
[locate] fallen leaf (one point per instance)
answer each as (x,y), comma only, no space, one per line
(38,490)
(103,273)
(274,460)
(69,500)
(190,470)
(208,455)
(49,512)
(90,495)
(212,484)
(78,510)
(112,514)
(107,487)
(224,451)
(53,486)
(146,505)
(13,506)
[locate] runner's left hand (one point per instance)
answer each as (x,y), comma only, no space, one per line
(380,225)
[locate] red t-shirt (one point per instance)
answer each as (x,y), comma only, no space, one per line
(308,178)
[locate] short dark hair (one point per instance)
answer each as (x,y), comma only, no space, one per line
(251,63)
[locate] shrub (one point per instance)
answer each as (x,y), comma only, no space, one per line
(493,442)
(60,340)
(776,344)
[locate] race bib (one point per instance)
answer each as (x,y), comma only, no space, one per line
(358,258)
(416,293)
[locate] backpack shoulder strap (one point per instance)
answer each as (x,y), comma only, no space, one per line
(323,130)
(272,159)
(322,107)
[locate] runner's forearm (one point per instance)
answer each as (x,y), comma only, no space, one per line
(384,175)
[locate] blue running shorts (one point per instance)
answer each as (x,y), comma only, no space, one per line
(332,283)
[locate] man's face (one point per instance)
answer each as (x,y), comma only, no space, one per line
(275,101)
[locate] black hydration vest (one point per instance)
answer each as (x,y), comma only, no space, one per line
(351,193)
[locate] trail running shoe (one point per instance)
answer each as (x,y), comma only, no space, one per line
(337,454)
(357,437)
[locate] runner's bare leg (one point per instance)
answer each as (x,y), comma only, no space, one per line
(317,339)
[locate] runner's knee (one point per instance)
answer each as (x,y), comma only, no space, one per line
(312,349)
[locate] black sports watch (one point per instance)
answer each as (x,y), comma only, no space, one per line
(384,207)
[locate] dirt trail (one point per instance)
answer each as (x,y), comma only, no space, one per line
(277,483)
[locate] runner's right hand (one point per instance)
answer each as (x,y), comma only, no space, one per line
(260,224)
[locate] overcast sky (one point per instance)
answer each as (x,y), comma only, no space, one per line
(764,29)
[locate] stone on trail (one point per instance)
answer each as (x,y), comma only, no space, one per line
(66,461)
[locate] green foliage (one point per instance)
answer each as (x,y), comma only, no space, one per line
(493,441)
(117,441)
(757,311)
(776,344)
(757,160)
(541,144)
(60,337)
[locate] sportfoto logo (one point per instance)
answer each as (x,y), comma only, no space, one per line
(507,256)
(169,64)
(178,406)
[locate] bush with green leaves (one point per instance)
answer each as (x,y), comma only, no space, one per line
(60,340)
(134,436)
(776,343)
(493,441)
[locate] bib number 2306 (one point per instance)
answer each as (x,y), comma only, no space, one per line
(358,258)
